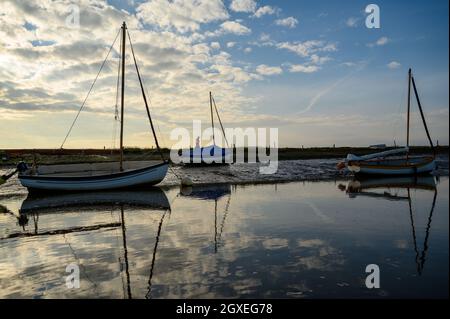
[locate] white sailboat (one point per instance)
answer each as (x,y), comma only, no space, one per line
(391,162)
(89,177)
(212,154)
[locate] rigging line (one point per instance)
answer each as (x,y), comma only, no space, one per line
(222,225)
(145,98)
(215,226)
(124,239)
(119,252)
(413,231)
(89,92)
(422,115)
(212,117)
(95,286)
(116,109)
(149,292)
(427,232)
(220,122)
(154,118)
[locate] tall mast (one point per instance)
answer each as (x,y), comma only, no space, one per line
(123,95)
(423,116)
(409,109)
(212,118)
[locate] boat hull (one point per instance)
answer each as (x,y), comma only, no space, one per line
(150,175)
(211,155)
(152,197)
(416,166)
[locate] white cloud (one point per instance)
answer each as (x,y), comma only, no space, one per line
(264,37)
(232,27)
(352,22)
(306,48)
(215,45)
(243,5)
(289,22)
(394,65)
(181,15)
(265,10)
(54,79)
(318,60)
(248,50)
(268,70)
(349,64)
(380,42)
(231,44)
(299,68)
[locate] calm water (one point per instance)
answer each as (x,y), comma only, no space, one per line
(293,240)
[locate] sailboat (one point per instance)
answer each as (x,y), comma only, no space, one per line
(104,176)
(212,154)
(387,163)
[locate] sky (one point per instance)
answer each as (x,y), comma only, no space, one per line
(312,69)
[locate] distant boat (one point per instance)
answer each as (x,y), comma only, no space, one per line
(212,154)
(89,177)
(387,163)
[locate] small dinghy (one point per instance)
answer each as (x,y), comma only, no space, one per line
(104,176)
(390,162)
(212,154)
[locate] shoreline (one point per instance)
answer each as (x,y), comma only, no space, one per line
(10,157)
(289,171)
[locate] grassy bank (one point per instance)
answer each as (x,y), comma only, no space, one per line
(53,156)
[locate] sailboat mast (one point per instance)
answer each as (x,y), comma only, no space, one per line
(423,116)
(409,111)
(212,117)
(122,99)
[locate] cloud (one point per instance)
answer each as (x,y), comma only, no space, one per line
(181,15)
(230,27)
(248,50)
(54,79)
(306,48)
(394,65)
(352,22)
(265,10)
(321,93)
(348,64)
(231,44)
(299,68)
(268,70)
(319,60)
(289,22)
(264,37)
(380,42)
(215,45)
(243,5)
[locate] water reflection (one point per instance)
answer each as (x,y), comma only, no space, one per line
(212,193)
(294,240)
(366,187)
